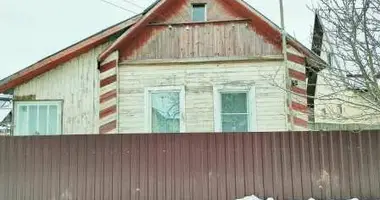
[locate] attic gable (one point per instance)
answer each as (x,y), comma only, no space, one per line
(174,11)
(181,12)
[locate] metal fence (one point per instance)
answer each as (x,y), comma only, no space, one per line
(342,127)
(328,165)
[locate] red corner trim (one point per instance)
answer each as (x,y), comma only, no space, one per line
(108,111)
(298,90)
(299,107)
(107,96)
(296,59)
(107,127)
(108,80)
(297,75)
(107,66)
(300,122)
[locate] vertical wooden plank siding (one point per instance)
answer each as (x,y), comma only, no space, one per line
(75,82)
(227,39)
(297,165)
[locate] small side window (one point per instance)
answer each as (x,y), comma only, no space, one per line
(38,118)
(199,12)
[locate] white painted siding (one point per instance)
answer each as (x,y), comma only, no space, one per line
(199,80)
(76,82)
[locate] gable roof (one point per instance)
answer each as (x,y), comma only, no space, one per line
(261,24)
(64,55)
(132,26)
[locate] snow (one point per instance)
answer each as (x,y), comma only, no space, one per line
(253,197)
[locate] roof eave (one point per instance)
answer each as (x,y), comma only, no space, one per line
(52,61)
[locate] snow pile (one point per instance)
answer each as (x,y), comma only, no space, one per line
(253,197)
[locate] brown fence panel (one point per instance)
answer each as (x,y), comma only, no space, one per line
(323,165)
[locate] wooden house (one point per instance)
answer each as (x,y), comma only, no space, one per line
(180,66)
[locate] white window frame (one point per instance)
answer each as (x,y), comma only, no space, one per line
(18,104)
(192,11)
(148,105)
(251,105)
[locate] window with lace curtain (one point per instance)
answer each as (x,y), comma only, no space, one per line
(164,109)
(234,109)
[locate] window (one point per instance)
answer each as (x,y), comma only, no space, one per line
(37,117)
(234,112)
(234,109)
(199,12)
(165,108)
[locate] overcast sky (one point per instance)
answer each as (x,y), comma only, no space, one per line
(32,30)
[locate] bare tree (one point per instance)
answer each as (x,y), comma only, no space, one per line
(351,44)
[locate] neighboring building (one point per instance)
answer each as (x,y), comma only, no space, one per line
(5,114)
(337,106)
(180,66)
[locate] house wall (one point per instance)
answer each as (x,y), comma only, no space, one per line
(76,82)
(343,108)
(227,39)
(199,79)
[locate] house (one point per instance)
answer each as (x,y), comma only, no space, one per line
(203,66)
(337,105)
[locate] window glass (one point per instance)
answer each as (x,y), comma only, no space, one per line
(32,122)
(22,119)
(199,12)
(165,112)
(53,119)
(234,112)
(42,119)
(234,123)
(234,102)
(37,118)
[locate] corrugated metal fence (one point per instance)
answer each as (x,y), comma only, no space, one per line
(191,166)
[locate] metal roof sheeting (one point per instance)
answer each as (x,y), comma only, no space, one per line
(298,165)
